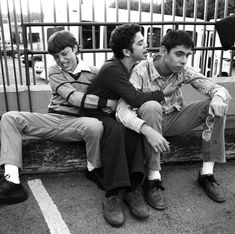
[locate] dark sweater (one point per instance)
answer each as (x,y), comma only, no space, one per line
(112,81)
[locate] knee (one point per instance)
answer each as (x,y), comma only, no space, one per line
(8,117)
(150,107)
(95,128)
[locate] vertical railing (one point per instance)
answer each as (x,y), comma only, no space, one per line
(14,8)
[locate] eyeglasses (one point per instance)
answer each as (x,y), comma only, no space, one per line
(206,134)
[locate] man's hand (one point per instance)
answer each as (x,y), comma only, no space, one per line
(155,139)
(112,104)
(217,107)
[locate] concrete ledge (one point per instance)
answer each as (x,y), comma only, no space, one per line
(44,156)
(40,96)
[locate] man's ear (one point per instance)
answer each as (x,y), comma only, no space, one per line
(163,50)
(75,49)
(126,52)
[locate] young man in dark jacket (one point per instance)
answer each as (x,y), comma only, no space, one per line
(123,163)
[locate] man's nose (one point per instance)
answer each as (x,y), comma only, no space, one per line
(184,59)
(61,58)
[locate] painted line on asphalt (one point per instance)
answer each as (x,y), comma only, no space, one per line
(49,210)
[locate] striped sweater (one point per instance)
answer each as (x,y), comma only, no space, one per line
(68,93)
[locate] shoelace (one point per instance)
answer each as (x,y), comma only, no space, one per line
(212,179)
(114,200)
(3,178)
(158,185)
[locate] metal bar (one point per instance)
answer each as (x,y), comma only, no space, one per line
(15,78)
(43,40)
(184,11)
(204,39)
(162,12)
(17,43)
(194,28)
(118,23)
(25,40)
(129,10)
(140,10)
(105,29)
(214,36)
(3,78)
(93,32)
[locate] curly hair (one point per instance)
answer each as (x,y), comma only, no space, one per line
(122,37)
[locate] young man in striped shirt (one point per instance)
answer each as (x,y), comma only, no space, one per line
(69,79)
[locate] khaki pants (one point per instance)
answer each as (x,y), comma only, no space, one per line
(15,124)
(178,122)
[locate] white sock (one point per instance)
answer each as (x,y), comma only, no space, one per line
(12,173)
(207,168)
(90,167)
(154,175)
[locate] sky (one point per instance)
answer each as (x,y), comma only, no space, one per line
(34,5)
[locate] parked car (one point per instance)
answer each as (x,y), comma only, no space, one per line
(32,59)
(11,50)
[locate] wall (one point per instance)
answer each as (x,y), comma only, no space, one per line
(40,96)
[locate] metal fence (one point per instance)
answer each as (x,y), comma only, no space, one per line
(26,25)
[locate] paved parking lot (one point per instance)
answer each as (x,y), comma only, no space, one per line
(69,203)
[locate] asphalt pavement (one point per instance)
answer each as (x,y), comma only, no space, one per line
(68,203)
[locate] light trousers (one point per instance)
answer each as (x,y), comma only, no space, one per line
(15,124)
(179,122)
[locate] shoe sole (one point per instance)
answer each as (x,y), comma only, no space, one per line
(12,200)
(133,214)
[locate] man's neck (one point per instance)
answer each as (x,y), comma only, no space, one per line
(161,67)
(128,63)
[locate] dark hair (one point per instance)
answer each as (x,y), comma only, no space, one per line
(60,40)
(177,37)
(122,37)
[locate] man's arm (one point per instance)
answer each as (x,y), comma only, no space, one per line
(117,81)
(75,97)
(126,115)
(220,97)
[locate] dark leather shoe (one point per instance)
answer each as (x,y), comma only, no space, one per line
(135,201)
(154,195)
(96,176)
(211,187)
(112,211)
(11,193)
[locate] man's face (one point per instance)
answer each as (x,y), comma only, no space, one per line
(140,51)
(66,58)
(176,59)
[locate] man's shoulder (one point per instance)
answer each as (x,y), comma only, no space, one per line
(142,64)
(54,69)
(191,72)
(111,66)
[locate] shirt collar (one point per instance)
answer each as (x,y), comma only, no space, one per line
(81,66)
(153,71)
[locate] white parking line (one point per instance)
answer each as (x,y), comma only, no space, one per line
(49,210)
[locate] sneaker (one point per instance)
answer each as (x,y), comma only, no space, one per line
(135,201)
(11,193)
(96,176)
(211,187)
(154,195)
(112,211)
